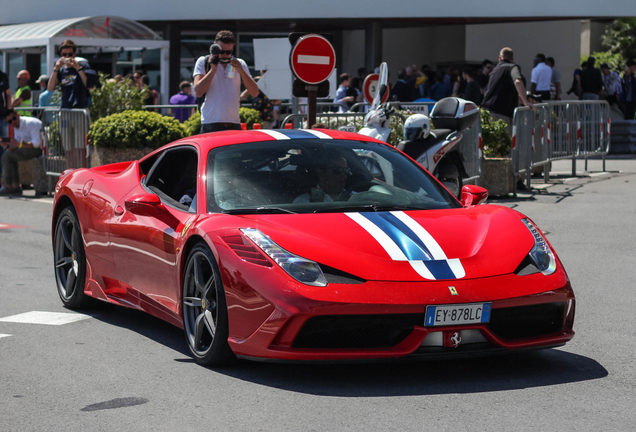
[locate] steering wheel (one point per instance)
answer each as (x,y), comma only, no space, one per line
(346,194)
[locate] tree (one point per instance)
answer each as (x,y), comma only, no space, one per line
(620,37)
(113,97)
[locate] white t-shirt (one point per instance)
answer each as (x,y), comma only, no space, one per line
(30,130)
(542,76)
(222,100)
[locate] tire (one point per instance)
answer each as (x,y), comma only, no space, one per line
(448,173)
(70,261)
(205,319)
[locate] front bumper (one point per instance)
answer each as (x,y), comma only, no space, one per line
(308,324)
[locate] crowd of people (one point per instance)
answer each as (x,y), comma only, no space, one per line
(472,83)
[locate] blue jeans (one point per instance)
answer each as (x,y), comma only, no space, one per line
(4,131)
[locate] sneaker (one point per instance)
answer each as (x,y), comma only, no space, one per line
(8,191)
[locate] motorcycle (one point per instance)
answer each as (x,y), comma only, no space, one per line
(434,149)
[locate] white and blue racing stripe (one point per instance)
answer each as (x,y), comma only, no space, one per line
(285,134)
(406,240)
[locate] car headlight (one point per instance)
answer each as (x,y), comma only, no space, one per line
(301,269)
(541,254)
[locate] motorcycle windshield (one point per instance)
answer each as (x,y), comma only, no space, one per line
(319,176)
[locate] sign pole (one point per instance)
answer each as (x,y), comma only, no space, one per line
(312,92)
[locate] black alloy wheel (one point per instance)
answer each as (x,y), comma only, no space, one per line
(70,261)
(205,310)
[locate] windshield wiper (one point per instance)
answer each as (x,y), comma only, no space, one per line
(258,210)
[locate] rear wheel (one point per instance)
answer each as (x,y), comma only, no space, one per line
(205,310)
(448,173)
(70,261)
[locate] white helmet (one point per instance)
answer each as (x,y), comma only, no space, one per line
(416,127)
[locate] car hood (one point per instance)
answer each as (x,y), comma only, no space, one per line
(463,243)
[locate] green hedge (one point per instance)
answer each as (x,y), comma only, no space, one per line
(135,129)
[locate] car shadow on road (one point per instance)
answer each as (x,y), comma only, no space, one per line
(142,323)
(507,372)
(376,379)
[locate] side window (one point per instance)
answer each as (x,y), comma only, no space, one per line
(174,177)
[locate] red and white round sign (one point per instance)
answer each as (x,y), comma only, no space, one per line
(370,88)
(312,59)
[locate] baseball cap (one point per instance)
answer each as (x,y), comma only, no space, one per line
(42,78)
(605,66)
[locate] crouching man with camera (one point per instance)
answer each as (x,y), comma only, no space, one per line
(221,86)
(26,145)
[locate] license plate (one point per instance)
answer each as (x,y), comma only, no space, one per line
(471,313)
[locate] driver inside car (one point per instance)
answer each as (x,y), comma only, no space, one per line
(332,178)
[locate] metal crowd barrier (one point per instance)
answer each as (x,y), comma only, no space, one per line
(65,137)
(166,109)
(471,151)
(558,130)
(414,107)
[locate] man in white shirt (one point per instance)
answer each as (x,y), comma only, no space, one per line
(26,145)
(220,82)
(541,78)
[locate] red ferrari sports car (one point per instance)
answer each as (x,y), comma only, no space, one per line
(307,245)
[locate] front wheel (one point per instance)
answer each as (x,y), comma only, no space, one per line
(449,174)
(70,261)
(205,310)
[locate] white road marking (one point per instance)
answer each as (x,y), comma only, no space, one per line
(4,335)
(47,318)
(312,59)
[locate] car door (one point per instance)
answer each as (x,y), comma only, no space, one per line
(147,236)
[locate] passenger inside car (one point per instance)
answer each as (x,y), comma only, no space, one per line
(332,172)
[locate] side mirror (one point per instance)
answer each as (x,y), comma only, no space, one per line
(144,205)
(473,195)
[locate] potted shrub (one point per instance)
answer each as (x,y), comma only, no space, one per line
(130,135)
(496,168)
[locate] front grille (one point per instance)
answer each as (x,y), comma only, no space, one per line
(527,321)
(356,331)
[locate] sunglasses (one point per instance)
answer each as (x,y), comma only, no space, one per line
(12,119)
(228,52)
(66,54)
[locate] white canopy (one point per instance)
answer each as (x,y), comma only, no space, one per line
(106,34)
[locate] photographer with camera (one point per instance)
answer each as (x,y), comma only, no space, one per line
(66,72)
(222,90)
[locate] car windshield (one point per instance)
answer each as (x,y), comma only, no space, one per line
(318,176)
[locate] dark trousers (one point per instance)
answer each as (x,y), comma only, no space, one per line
(10,160)
(4,132)
(216,127)
(629,110)
(545,95)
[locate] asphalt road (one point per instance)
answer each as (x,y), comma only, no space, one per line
(117,369)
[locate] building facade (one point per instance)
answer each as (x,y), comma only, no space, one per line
(364,33)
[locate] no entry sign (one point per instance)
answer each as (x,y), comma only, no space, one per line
(312,59)
(370,88)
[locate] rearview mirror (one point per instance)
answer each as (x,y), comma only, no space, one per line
(473,195)
(144,205)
